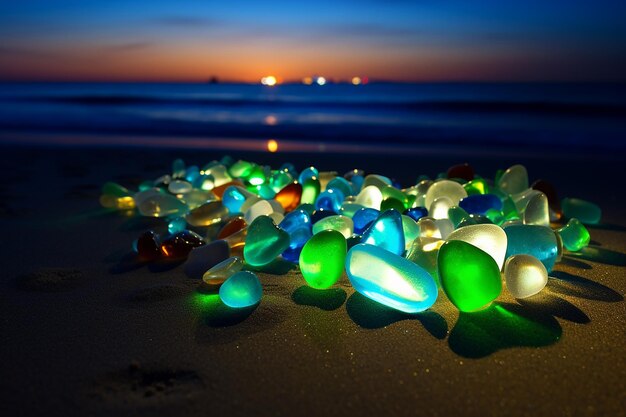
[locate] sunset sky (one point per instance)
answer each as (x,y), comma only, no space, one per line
(412,40)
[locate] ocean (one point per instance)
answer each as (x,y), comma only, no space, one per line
(479,116)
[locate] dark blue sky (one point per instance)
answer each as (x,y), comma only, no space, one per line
(420,40)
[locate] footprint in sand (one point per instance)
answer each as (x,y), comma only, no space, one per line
(50,279)
(148,384)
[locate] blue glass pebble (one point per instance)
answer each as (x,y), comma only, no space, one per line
(417,213)
(390,279)
(386,232)
(341,184)
(330,200)
(537,241)
(176,225)
(480,203)
(298,225)
(242,289)
(363,218)
(320,214)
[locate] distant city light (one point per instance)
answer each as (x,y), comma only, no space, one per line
(270,120)
(307,80)
(270,81)
(272,145)
(356,80)
(320,80)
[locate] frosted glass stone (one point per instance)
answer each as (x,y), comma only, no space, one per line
(487,237)
(276,206)
(439,208)
(325,177)
(279,180)
(428,227)
(378,181)
(276,217)
(234,197)
(370,196)
(390,279)
(195,198)
(521,199)
(386,232)
(585,211)
(423,252)
(243,289)
(219,173)
(411,231)
(574,235)
(240,169)
(363,218)
(457,215)
(207,214)
(203,258)
(250,201)
(322,259)
(310,190)
(514,180)
(445,188)
(524,275)
(537,241)
(341,224)
(445,227)
(161,205)
(260,208)
(537,211)
(222,271)
(179,187)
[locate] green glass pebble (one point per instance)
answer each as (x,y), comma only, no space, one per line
(392,192)
(378,181)
(242,289)
(476,186)
(240,169)
(322,258)
(457,215)
(115,189)
(392,203)
(574,235)
(469,276)
(585,211)
(310,190)
(411,231)
(349,209)
(264,242)
(339,223)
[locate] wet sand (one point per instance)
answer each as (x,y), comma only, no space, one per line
(89,331)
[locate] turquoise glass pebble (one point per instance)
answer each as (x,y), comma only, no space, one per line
(585,211)
(574,235)
(537,241)
(242,289)
(386,232)
(480,203)
(307,173)
(390,279)
(363,218)
(298,225)
(176,225)
(341,184)
(234,197)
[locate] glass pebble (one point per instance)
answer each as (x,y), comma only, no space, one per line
(386,232)
(339,223)
(537,241)
(469,276)
(242,289)
(585,211)
(514,180)
(264,241)
(370,197)
(574,235)
(207,214)
(390,279)
(219,273)
(445,188)
(363,218)
(203,258)
(490,238)
(525,275)
(322,258)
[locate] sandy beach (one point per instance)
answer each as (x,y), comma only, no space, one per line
(87,330)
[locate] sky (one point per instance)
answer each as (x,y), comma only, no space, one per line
(395,40)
